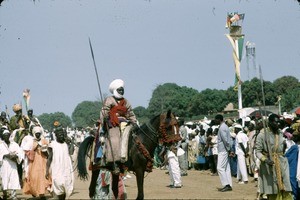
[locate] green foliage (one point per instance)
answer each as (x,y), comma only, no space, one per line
(86,113)
(285,84)
(141,114)
(252,93)
(232,96)
(171,96)
(47,120)
(208,101)
(288,87)
(291,100)
(189,103)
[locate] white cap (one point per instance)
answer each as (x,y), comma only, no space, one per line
(238,126)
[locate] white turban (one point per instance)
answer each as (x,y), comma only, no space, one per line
(114,85)
(6,132)
(37,129)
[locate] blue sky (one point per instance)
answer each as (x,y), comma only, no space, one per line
(44,47)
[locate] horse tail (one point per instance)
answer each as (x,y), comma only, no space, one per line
(84,148)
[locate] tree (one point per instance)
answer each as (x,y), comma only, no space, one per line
(197,105)
(290,100)
(285,84)
(171,96)
(270,93)
(251,92)
(232,96)
(86,113)
(208,101)
(141,114)
(47,120)
(188,102)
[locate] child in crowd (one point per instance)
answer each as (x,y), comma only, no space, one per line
(174,170)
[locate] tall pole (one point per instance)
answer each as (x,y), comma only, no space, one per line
(236,38)
(240,96)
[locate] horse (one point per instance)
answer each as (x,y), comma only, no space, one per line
(162,128)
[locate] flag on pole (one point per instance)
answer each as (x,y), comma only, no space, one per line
(26,97)
(237,45)
(234,19)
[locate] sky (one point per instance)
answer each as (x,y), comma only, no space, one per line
(44,46)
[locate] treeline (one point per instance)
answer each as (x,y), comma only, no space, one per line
(190,103)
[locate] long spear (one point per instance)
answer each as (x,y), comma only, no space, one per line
(96,71)
(262,90)
(100,92)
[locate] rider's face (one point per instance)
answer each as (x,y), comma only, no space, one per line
(38,135)
(120,90)
(274,125)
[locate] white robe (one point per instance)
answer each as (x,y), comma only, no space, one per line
(242,173)
(174,170)
(61,169)
(26,145)
(8,170)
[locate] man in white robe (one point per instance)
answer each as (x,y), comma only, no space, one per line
(59,164)
(10,155)
(174,170)
(240,150)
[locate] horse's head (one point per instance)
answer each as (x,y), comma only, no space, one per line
(169,128)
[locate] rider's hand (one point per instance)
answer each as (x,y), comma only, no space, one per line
(135,126)
(269,162)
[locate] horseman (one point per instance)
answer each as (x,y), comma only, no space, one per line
(19,124)
(117,118)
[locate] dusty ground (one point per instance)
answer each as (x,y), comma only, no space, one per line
(197,185)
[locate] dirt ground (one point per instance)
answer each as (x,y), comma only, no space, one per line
(197,185)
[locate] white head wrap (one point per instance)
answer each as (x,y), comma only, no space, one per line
(37,129)
(238,126)
(6,132)
(114,85)
(247,119)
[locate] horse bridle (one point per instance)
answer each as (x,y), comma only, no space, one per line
(152,131)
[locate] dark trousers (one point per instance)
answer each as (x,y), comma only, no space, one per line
(212,163)
(233,165)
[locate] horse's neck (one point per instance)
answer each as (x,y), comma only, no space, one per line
(149,138)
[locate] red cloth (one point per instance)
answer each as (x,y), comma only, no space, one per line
(118,110)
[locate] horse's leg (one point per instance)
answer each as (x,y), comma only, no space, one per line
(139,173)
(115,185)
(92,188)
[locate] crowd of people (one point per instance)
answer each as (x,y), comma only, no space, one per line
(40,162)
(35,160)
(261,149)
